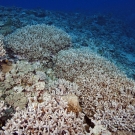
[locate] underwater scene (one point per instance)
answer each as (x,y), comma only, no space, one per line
(67,67)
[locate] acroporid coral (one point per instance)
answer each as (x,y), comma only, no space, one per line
(18,80)
(106,94)
(68,91)
(62,87)
(2,50)
(47,118)
(2,108)
(38,42)
(5,113)
(51,109)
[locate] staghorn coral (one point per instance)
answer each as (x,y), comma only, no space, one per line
(2,108)
(62,87)
(6,112)
(39,42)
(68,91)
(62,104)
(74,62)
(2,50)
(106,94)
(49,117)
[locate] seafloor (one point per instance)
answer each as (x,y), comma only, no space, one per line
(104,35)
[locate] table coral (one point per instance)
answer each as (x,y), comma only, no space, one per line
(106,94)
(40,42)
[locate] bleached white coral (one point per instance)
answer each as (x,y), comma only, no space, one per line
(62,87)
(2,50)
(50,117)
(2,107)
(38,42)
(106,94)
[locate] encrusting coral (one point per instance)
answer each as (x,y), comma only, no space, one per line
(38,42)
(106,94)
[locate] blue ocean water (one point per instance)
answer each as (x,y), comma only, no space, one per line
(124,8)
(69,5)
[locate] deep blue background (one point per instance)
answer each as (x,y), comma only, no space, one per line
(123,8)
(85,5)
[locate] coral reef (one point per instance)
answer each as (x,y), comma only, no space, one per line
(6,112)
(39,42)
(81,81)
(2,108)
(62,87)
(106,94)
(2,50)
(14,83)
(68,91)
(34,97)
(48,117)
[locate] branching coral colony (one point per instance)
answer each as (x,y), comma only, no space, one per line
(83,93)
(2,50)
(52,106)
(106,94)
